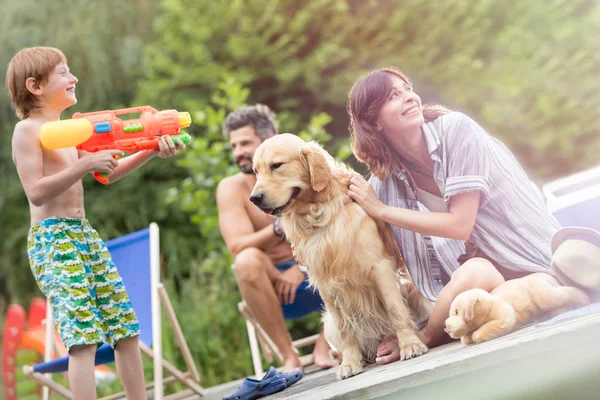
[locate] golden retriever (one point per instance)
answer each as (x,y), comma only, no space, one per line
(352,259)
(477,316)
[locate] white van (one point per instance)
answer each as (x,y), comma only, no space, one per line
(575,199)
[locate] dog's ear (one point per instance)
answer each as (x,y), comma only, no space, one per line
(318,169)
(470,308)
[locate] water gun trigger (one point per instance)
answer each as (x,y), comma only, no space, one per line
(101,177)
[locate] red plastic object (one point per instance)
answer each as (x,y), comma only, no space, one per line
(13,329)
(37,313)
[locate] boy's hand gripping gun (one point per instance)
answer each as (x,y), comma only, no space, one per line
(103,130)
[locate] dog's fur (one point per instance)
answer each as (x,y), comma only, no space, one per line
(477,316)
(352,259)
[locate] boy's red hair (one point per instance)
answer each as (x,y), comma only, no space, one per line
(32,62)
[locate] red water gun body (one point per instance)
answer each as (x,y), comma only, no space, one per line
(103,130)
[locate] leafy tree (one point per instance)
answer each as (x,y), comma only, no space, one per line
(525,70)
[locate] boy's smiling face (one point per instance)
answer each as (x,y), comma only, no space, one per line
(59,90)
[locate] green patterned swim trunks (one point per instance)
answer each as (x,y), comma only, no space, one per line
(74,270)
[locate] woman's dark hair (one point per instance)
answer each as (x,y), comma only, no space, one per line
(365,100)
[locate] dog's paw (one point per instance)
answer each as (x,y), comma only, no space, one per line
(467,339)
(479,337)
(346,370)
(412,350)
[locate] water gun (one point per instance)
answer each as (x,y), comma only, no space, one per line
(103,130)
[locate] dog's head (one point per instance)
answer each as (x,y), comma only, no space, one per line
(468,311)
(287,168)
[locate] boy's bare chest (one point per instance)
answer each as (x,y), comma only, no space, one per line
(58,160)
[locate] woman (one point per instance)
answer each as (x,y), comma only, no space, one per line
(440,180)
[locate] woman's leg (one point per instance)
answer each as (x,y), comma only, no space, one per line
(475,273)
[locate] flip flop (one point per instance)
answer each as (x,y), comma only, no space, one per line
(254,389)
(290,377)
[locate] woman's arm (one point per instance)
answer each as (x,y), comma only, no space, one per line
(456,224)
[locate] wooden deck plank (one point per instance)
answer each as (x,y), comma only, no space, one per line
(539,361)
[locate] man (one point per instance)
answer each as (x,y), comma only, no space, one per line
(265,269)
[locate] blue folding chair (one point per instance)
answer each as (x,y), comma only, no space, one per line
(307,302)
(137,257)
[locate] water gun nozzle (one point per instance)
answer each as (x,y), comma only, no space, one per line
(185,119)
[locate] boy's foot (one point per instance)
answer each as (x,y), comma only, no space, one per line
(322,354)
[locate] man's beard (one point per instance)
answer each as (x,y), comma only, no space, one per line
(246,169)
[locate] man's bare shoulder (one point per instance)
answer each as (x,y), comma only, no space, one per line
(233,180)
(232,184)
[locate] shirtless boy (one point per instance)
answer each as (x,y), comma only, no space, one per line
(68,258)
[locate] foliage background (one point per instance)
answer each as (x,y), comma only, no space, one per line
(527,71)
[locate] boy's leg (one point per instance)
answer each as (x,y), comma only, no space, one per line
(475,273)
(56,249)
(255,274)
(81,372)
(118,319)
(128,359)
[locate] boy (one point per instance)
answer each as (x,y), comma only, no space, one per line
(68,259)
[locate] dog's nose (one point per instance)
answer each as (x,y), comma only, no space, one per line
(444,325)
(257,198)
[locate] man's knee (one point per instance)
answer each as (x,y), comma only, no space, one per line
(249,264)
(476,273)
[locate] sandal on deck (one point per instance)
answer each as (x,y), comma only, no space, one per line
(272,382)
(290,377)
(252,389)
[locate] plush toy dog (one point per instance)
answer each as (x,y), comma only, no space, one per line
(477,316)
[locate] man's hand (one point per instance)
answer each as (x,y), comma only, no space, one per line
(287,283)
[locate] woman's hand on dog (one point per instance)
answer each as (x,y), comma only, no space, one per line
(287,283)
(361,192)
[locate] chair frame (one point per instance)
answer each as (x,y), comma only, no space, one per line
(259,339)
(159,296)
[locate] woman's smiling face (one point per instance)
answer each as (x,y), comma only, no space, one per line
(401,111)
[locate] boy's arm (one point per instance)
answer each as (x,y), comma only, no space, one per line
(129,164)
(28,158)
(235,224)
